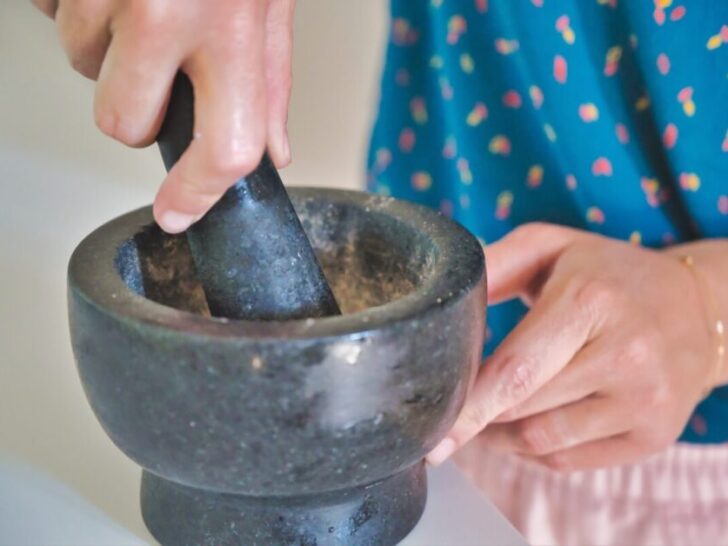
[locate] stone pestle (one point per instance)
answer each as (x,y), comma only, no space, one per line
(252,256)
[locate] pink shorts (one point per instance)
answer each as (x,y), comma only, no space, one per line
(677,497)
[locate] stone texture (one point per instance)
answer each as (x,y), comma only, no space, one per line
(290,411)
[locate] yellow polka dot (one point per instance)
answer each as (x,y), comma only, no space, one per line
(635,238)
(689,108)
(714,42)
(421,181)
(436,62)
(550,133)
(595,215)
(614,54)
(466,63)
(534,176)
(504,199)
(642,104)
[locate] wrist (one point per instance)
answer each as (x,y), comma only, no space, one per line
(707,261)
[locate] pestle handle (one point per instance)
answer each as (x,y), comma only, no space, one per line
(252,256)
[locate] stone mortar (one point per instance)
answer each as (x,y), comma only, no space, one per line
(303,432)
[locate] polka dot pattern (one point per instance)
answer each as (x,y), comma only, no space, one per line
(605,115)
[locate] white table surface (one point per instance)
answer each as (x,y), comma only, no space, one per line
(62,481)
(36,510)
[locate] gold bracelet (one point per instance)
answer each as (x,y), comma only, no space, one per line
(715,324)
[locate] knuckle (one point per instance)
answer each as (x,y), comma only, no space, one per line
(519,382)
(475,416)
(529,231)
(635,352)
(636,356)
(235,159)
(535,438)
(658,396)
(593,295)
(150,15)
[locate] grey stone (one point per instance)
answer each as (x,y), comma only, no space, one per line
(306,431)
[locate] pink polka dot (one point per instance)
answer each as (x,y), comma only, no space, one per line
(678,13)
(595,215)
(560,69)
(481,5)
(446,207)
(562,23)
(450,148)
(689,181)
(402,32)
(685,94)
(602,167)
(669,136)
(383,158)
(402,77)
(537,3)
(536,96)
(406,140)
(622,133)
(663,64)
(456,26)
(698,425)
(571,181)
(723,204)
(421,181)
(446,89)
(512,99)
(659,16)
(588,112)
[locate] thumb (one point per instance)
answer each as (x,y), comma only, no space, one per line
(519,261)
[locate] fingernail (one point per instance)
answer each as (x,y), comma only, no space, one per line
(441,452)
(172,221)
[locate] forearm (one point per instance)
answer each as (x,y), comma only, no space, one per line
(710,258)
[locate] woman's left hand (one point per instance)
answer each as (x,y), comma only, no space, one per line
(608,364)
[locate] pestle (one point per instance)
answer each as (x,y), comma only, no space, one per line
(252,256)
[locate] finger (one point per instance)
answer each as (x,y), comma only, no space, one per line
(584,421)
(230,121)
(49,7)
(134,83)
(520,259)
(615,451)
(590,371)
(538,348)
(278,56)
(84,33)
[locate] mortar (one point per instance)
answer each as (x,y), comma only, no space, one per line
(299,432)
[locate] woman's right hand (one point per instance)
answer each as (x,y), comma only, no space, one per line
(237,54)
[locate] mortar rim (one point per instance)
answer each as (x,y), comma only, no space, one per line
(444,286)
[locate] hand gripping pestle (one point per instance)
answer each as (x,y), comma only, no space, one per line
(252,256)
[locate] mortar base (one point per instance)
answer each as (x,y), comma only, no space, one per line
(379,514)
